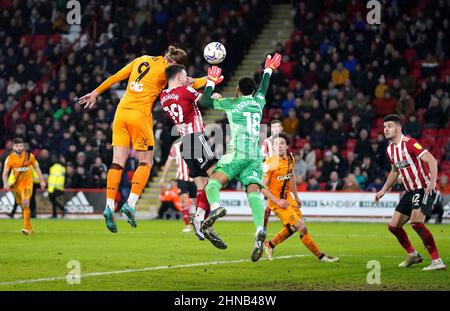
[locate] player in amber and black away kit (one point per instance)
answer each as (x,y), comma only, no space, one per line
(418,170)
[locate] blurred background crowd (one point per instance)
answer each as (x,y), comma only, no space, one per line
(338,79)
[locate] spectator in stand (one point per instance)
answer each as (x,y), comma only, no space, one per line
(381,88)
(334,183)
(376,185)
(350,183)
(405,104)
(330,163)
(361,179)
(369,169)
(309,156)
(290,124)
(363,147)
(288,104)
(385,106)
(306,123)
(433,115)
(335,135)
(339,75)
(313,184)
(406,81)
(317,137)
(412,127)
(301,168)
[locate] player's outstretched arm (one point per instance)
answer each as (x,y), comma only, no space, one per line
(271,64)
(214,78)
(393,175)
(89,99)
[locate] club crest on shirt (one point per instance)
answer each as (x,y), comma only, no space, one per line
(418,146)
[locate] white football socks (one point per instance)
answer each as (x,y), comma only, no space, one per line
(110,204)
(132,199)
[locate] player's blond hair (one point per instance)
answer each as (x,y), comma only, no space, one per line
(178,56)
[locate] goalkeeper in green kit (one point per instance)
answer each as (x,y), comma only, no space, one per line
(243,159)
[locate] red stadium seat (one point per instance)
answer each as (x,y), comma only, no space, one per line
(322,185)
(410,55)
(429,133)
(319,154)
(379,124)
(299,142)
(373,133)
(427,142)
(420,113)
(418,63)
(443,133)
(351,144)
(415,73)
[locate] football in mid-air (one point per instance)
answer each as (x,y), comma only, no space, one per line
(214,53)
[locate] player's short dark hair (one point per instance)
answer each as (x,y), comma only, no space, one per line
(282,135)
(172,70)
(276,121)
(247,86)
(17,141)
(394,118)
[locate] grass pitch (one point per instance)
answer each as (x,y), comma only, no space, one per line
(157,256)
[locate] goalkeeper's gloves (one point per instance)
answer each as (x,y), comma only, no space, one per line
(214,76)
(272,63)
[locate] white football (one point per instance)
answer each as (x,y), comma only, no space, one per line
(214,53)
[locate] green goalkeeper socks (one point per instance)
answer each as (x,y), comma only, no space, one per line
(212,191)
(257,206)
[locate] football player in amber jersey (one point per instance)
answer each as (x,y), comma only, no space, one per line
(22,163)
(283,200)
(133,124)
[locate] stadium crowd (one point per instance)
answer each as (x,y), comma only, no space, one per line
(341,76)
(50,120)
(338,78)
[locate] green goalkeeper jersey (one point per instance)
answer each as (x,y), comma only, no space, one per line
(244,115)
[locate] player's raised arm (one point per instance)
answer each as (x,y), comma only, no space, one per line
(271,64)
(89,99)
(214,78)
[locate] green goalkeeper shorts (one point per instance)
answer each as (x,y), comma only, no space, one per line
(247,171)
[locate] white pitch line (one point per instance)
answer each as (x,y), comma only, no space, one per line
(198,264)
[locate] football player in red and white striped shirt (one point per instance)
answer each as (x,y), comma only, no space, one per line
(276,127)
(185,184)
(179,101)
(418,170)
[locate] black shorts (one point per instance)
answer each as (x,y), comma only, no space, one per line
(414,200)
(197,154)
(187,187)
